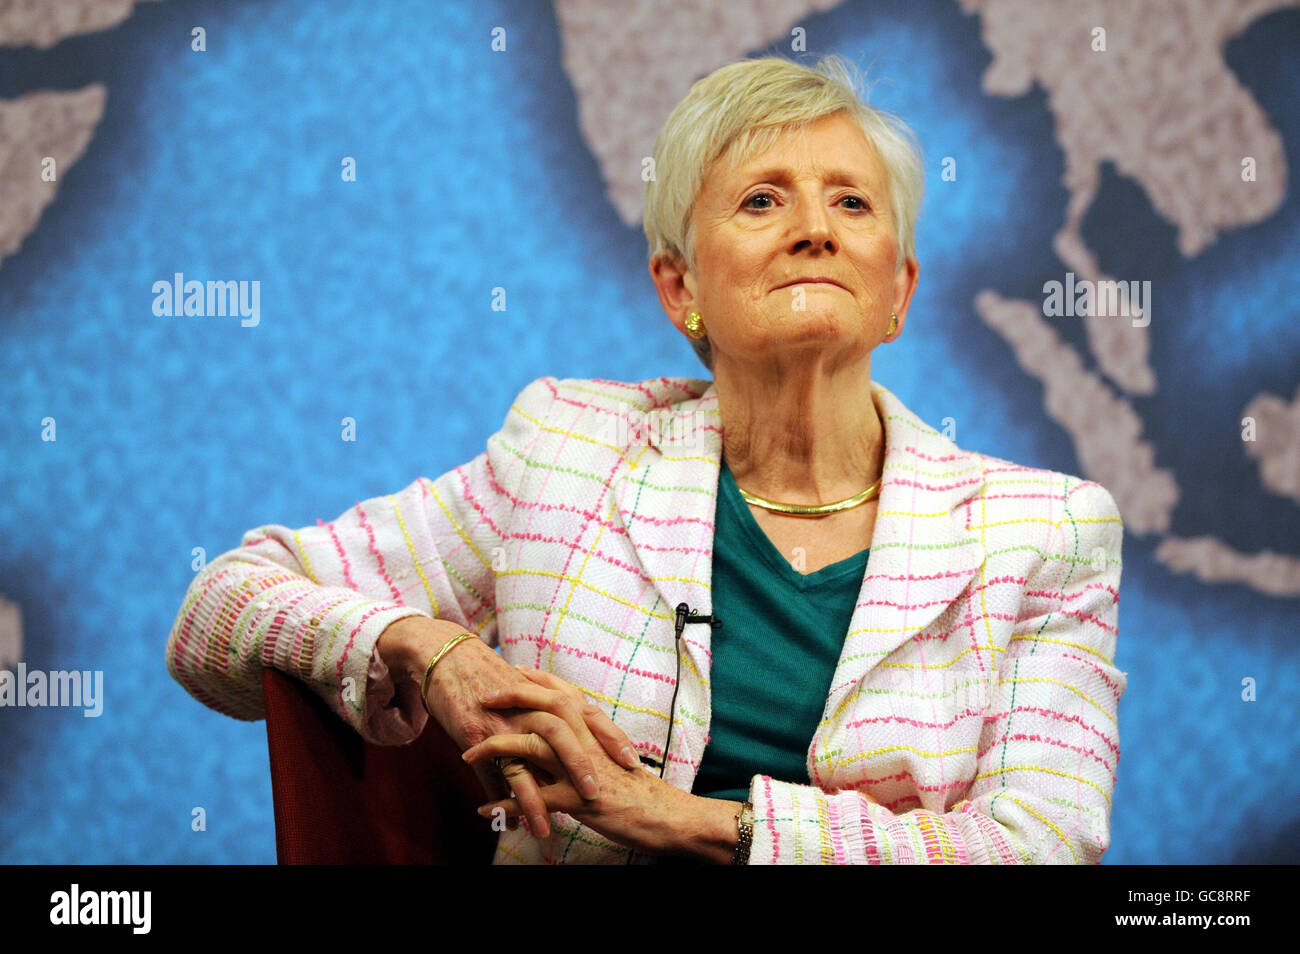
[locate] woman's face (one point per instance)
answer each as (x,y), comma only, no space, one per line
(815,205)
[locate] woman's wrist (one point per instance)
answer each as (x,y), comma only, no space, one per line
(407,645)
(709,832)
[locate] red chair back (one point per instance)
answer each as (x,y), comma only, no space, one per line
(341,800)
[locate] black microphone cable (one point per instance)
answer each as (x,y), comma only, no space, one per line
(684,616)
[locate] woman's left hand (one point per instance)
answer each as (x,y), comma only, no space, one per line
(635,807)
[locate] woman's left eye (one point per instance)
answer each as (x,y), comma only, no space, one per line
(856,198)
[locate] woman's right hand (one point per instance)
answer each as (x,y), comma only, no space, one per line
(470,673)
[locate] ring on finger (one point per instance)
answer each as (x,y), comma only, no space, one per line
(504,762)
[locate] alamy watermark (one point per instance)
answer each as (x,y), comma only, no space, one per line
(193,298)
(1084,298)
(665,428)
(58,688)
(130,908)
(966,688)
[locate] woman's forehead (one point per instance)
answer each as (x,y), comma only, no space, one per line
(841,155)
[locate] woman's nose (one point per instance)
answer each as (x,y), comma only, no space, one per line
(813,227)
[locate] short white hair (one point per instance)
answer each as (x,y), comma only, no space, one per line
(740,109)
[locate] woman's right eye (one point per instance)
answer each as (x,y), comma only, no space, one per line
(757,195)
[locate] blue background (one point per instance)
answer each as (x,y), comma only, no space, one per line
(376,304)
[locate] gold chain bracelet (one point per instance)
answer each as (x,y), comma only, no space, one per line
(745,834)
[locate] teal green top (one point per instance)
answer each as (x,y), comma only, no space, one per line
(774,655)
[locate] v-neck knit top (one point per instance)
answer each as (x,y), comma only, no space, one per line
(774,655)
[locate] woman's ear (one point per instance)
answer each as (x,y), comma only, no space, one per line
(675,285)
(905,279)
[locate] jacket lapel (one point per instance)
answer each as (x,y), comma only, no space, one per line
(666,499)
(922,553)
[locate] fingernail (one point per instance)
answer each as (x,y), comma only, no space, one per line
(589,787)
(539,826)
(630,758)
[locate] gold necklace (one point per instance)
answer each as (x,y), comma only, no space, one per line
(812,510)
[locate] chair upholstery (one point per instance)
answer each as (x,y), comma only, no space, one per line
(341,800)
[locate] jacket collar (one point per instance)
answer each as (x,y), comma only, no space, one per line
(923,552)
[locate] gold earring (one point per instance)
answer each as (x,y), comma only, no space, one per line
(893,324)
(695,325)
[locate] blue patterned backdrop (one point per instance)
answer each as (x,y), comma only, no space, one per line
(475,171)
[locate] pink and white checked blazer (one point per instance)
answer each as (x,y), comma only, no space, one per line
(975,699)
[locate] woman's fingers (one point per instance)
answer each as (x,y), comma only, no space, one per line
(528,746)
(559,797)
(611,738)
(494,786)
(529,695)
(556,733)
(556,718)
(530,799)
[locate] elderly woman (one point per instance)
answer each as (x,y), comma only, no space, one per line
(772,617)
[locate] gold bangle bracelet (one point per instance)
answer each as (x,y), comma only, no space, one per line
(447,647)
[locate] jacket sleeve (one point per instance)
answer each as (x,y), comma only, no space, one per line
(1049,746)
(313,601)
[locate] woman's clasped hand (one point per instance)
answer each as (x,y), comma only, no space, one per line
(634,808)
(586,765)
(576,760)
(460,686)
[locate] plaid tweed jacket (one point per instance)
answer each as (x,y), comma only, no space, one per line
(975,700)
